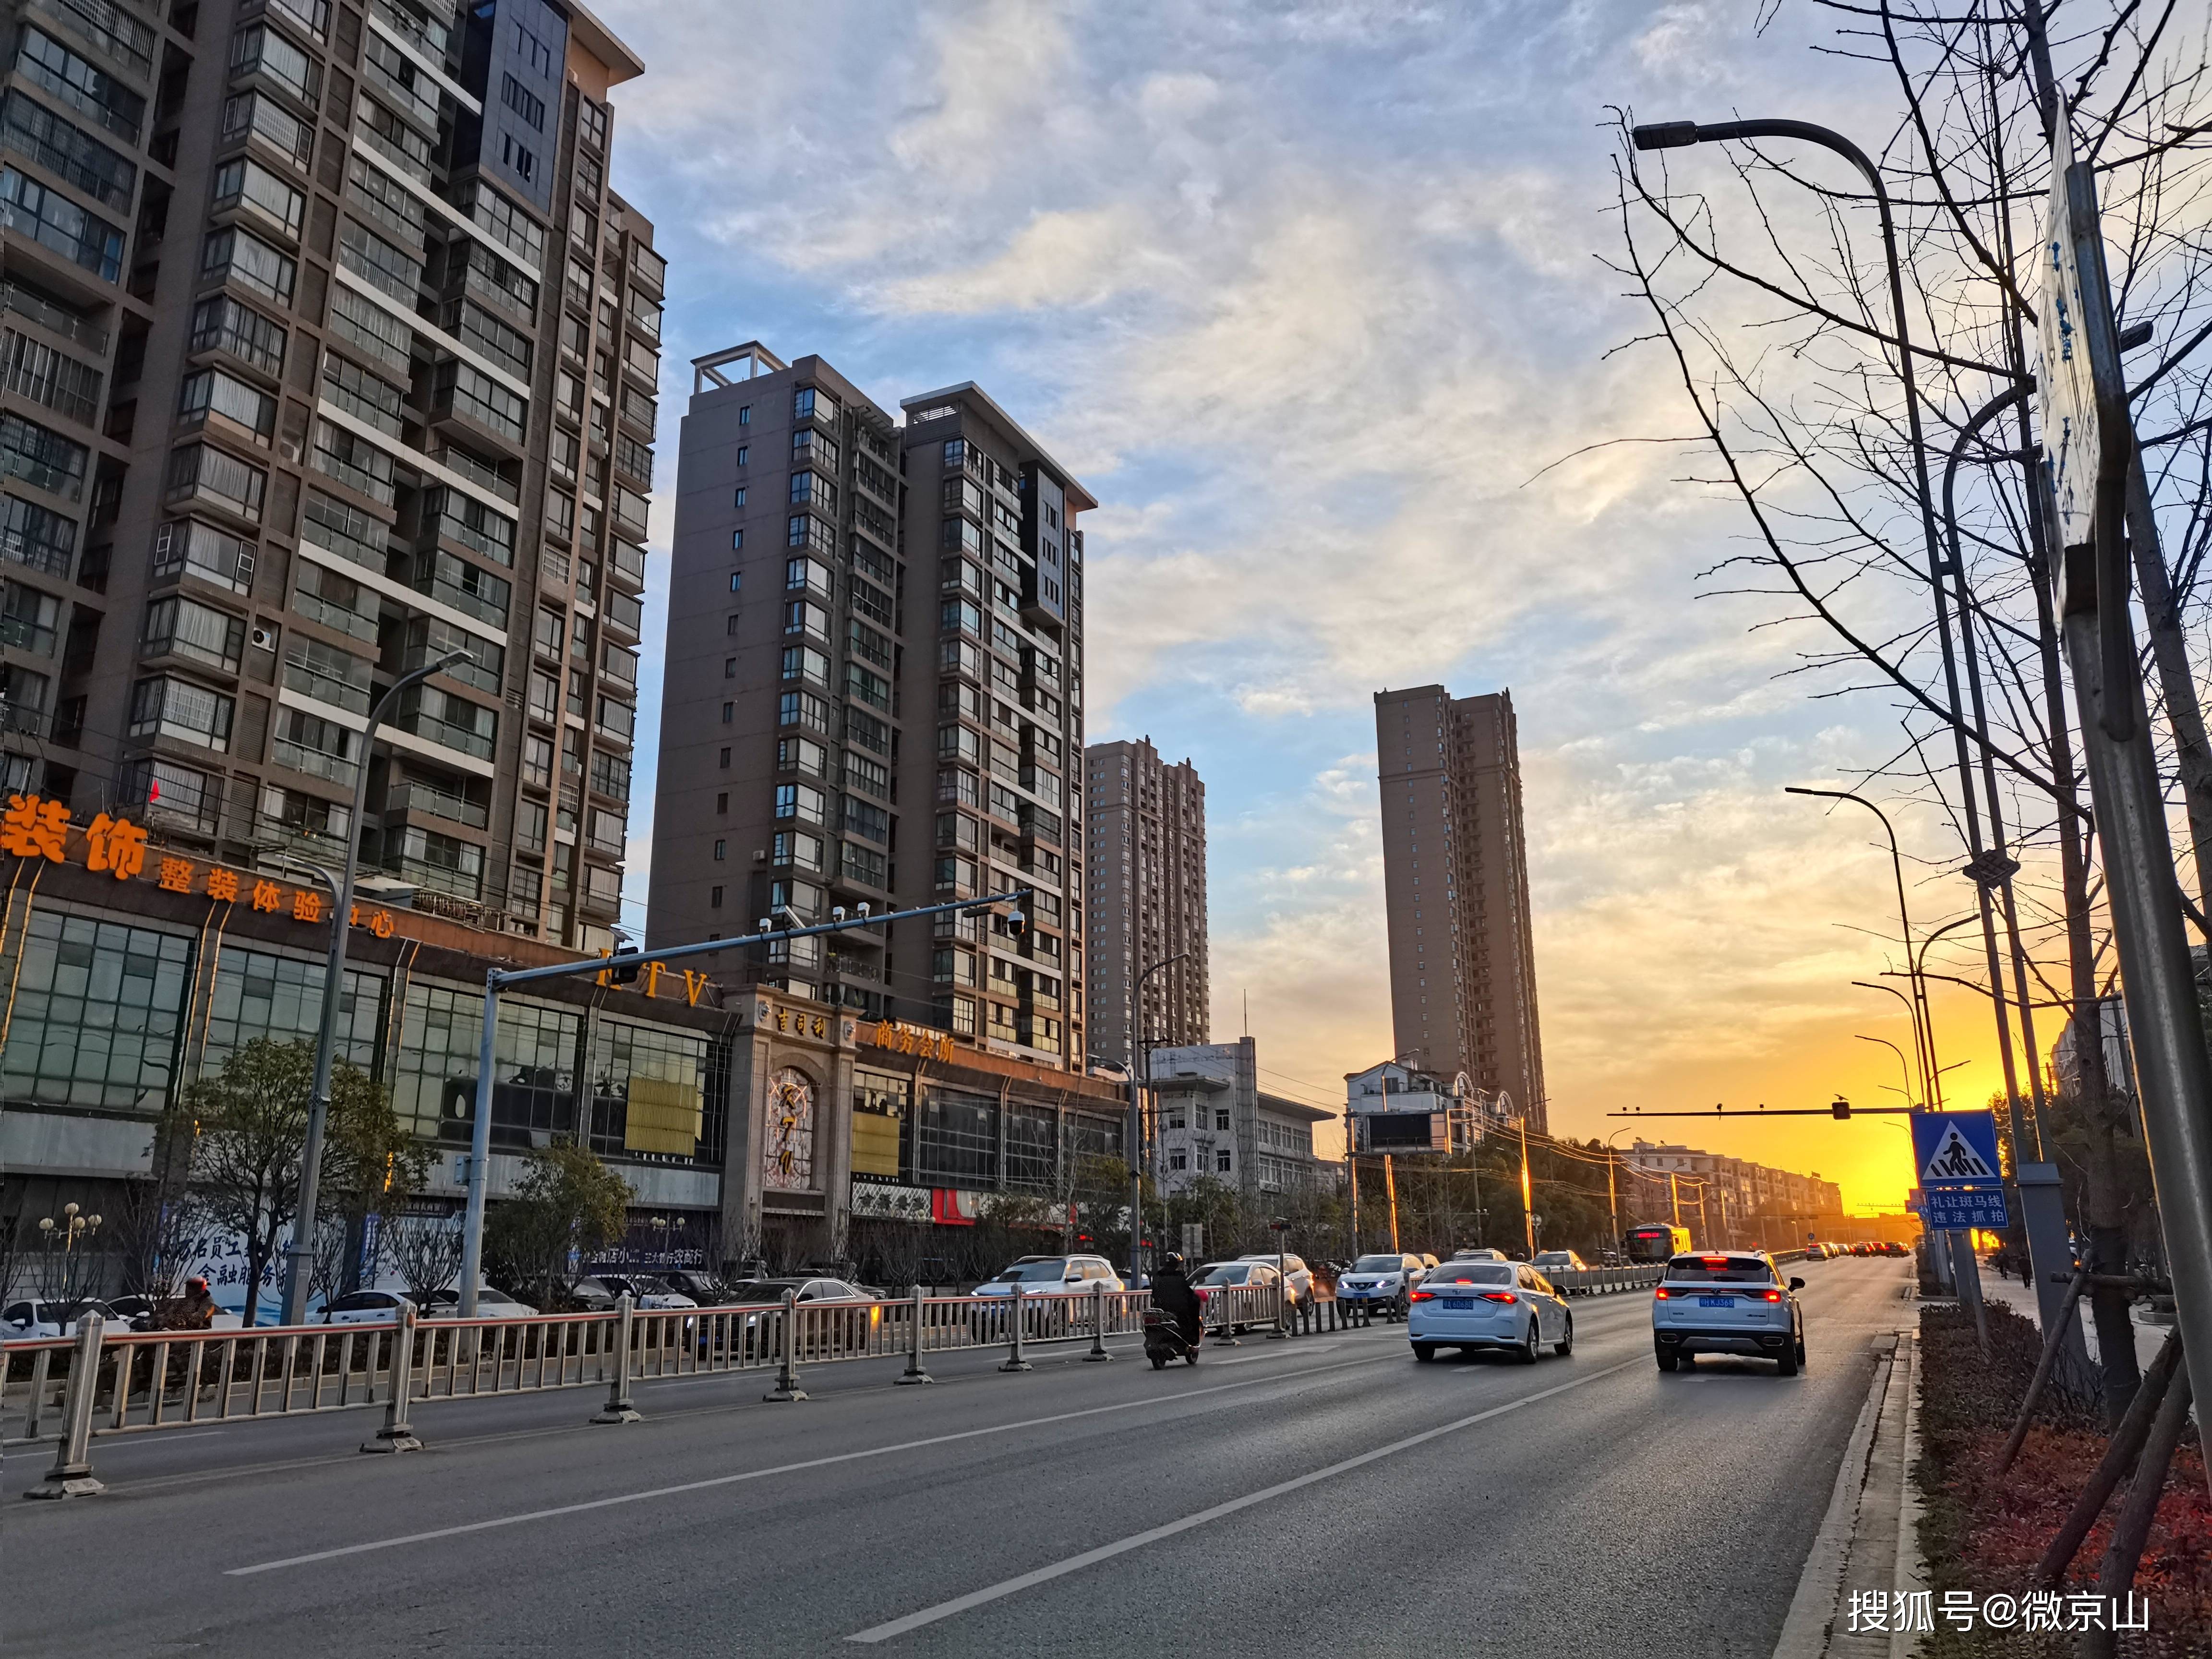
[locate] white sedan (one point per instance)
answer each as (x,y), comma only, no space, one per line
(1489,1305)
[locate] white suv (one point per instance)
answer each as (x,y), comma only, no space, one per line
(1731,1303)
(1053,1275)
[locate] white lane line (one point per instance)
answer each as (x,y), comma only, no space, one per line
(1137,1540)
(120,1441)
(782,1468)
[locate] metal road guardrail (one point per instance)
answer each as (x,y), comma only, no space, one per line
(1605,1281)
(102,1382)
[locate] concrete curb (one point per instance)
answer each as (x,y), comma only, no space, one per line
(1805,1630)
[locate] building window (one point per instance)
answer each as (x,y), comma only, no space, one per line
(737,581)
(724,761)
(744,418)
(741,501)
(97,1012)
(1221,1161)
(714,897)
(729,713)
(721,850)
(737,537)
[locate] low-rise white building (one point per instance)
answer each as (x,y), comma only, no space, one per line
(1394,1108)
(1215,1120)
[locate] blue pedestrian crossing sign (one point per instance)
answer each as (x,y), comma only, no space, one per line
(1955,1150)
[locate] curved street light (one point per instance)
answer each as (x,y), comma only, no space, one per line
(1923,1024)
(296,1262)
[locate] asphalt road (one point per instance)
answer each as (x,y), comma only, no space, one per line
(1319,1497)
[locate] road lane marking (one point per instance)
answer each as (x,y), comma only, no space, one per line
(788,1468)
(1139,1539)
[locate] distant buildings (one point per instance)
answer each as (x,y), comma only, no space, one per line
(1214,1120)
(1147,832)
(1455,883)
(1736,1192)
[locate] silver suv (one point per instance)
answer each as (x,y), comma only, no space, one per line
(1731,1302)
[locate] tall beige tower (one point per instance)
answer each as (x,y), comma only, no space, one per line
(1146,836)
(1455,880)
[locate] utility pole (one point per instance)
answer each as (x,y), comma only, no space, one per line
(1674,1195)
(1140,1067)
(2089,454)
(1528,1194)
(1390,1189)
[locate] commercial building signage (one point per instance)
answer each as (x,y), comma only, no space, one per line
(923,1040)
(33,827)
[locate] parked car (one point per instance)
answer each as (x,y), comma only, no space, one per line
(809,1290)
(599,1293)
(1506,1305)
(1384,1281)
(362,1308)
(22,1319)
(1477,1253)
(1053,1275)
(705,1289)
(1243,1274)
(1559,1261)
(1727,1303)
(1295,1274)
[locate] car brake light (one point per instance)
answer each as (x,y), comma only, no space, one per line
(1499,1296)
(1424,1296)
(1774,1296)
(1662,1293)
(1714,1261)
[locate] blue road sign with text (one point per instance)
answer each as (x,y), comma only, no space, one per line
(1949,1210)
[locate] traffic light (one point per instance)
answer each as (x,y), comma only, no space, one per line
(1840,1107)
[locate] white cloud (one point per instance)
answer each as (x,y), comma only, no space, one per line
(1308,295)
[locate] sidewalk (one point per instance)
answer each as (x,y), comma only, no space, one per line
(1869,1540)
(2020,1298)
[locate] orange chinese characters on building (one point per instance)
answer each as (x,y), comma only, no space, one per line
(116,845)
(33,828)
(267,896)
(378,922)
(177,875)
(306,906)
(223,884)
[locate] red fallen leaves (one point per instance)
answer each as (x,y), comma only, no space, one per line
(1994,1531)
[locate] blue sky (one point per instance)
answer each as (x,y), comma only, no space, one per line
(1308,295)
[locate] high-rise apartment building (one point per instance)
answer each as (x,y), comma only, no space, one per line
(327,352)
(1147,832)
(874,693)
(1455,882)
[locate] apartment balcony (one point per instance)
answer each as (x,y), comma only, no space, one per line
(420,797)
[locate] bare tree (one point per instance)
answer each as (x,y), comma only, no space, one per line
(425,1251)
(1900,528)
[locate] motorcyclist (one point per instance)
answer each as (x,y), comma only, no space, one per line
(1173,1296)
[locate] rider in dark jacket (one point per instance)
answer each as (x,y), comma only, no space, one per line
(1173,1296)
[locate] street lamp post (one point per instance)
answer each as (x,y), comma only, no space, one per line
(1903,1069)
(1140,1079)
(326,1034)
(1924,1025)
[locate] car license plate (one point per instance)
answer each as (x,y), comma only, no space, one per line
(1459,1304)
(1716,1302)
